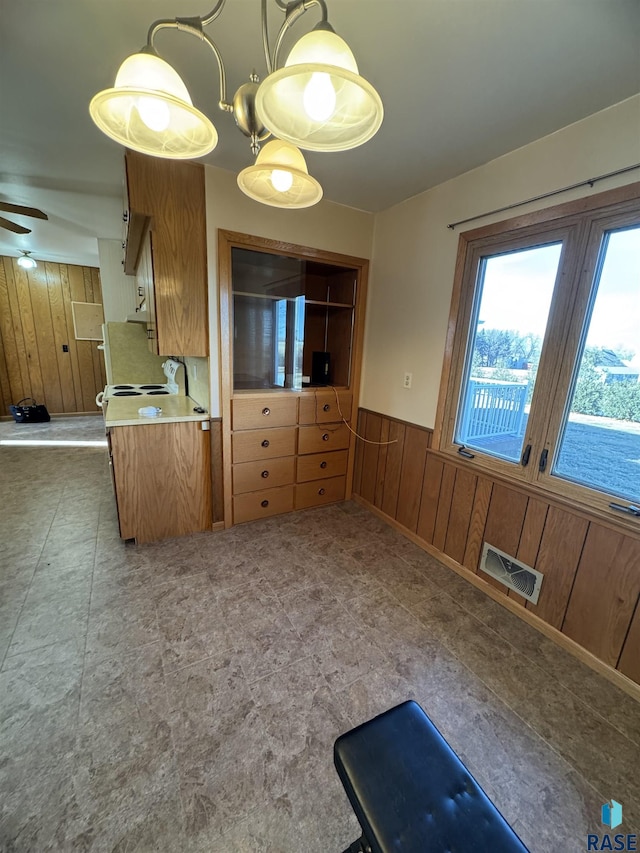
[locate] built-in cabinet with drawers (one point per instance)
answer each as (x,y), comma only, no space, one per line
(287,441)
(288,452)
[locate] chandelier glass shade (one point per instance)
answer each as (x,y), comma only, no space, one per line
(318,101)
(149,110)
(279,178)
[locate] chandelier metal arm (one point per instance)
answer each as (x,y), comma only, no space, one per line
(295,10)
(284,5)
(194,27)
(265,36)
(213,14)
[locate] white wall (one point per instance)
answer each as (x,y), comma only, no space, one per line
(328,226)
(414,251)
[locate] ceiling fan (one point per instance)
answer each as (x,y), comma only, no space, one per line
(6,207)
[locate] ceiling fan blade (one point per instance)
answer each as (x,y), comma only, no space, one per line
(13,226)
(22,210)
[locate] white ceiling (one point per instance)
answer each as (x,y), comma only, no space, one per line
(462,81)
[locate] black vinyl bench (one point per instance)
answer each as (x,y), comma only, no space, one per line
(412,794)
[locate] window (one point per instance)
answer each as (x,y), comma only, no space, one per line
(542,382)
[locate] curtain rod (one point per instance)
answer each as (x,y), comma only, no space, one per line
(588,183)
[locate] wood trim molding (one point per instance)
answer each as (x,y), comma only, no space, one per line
(225,244)
(279,247)
(608,672)
(397,420)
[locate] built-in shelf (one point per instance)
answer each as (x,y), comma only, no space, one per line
(328,304)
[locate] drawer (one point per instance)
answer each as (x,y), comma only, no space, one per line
(319,492)
(313,439)
(263,444)
(320,465)
(262,504)
(323,408)
(263,412)
(251,476)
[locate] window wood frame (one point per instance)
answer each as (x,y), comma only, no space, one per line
(580,221)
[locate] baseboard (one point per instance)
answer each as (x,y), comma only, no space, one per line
(556,636)
(217,525)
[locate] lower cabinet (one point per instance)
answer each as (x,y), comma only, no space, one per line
(288,452)
(162,477)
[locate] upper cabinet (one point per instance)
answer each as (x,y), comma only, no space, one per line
(166,232)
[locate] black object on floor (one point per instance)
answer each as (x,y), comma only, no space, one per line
(412,794)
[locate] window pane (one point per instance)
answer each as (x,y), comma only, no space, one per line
(600,442)
(507,329)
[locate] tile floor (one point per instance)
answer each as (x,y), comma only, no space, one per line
(185,696)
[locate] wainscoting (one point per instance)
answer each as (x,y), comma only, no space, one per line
(35,324)
(591,588)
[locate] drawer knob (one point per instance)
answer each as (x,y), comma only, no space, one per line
(264,474)
(266,411)
(325,436)
(264,503)
(326,407)
(323,464)
(321,491)
(265,443)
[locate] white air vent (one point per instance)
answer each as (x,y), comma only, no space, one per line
(508,571)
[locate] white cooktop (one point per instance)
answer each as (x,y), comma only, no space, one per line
(139,390)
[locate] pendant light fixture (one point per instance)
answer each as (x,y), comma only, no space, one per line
(280,178)
(149,110)
(318,101)
(26,261)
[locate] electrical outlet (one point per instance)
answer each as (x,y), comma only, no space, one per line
(407,380)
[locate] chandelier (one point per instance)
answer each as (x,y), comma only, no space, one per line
(316,101)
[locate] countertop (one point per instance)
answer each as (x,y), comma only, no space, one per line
(176,408)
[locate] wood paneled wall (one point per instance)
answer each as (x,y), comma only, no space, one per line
(591,586)
(35,324)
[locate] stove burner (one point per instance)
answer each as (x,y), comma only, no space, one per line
(127,393)
(154,393)
(124,387)
(151,387)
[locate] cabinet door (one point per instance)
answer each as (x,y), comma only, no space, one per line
(255,476)
(254,505)
(163,479)
(322,407)
(172,194)
(263,412)
(319,492)
(319,439)
(317,466)
(144,282)
(263,444)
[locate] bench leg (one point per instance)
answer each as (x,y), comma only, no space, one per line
(359,846)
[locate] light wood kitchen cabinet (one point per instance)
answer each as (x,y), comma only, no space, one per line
(162,479)
(308,462)
(287,442)
(166,222)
